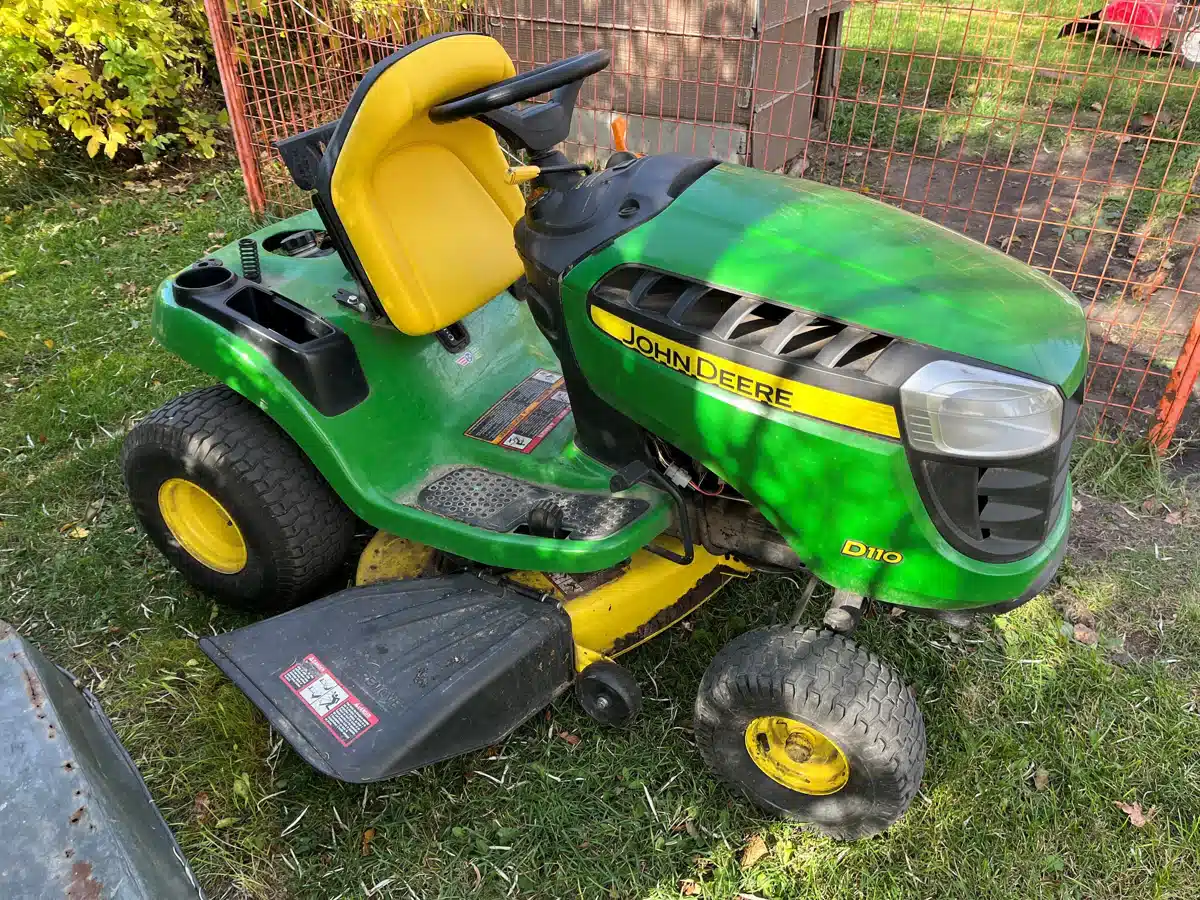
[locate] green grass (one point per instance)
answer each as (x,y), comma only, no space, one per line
(996,83)
(541,817)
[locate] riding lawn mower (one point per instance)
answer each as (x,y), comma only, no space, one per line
(574,405)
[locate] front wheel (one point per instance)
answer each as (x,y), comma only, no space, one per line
(233,503)
(809,726)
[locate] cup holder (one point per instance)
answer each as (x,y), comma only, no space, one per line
(202,279)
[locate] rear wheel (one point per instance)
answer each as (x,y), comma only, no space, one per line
(809,726)
(233,503)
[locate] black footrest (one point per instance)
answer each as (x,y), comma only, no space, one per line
(376,681)
(497,502)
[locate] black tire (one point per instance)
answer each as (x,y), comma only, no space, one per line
(295,528)
(822,680)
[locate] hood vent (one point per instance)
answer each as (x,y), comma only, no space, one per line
(748,323)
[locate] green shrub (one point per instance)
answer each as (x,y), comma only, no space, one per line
(102,75)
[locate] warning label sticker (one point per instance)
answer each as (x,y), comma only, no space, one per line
(346,717)
(522,418)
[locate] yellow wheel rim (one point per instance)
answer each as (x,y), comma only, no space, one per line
(202,526)
(797,755)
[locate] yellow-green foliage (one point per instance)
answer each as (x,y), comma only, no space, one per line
(106,74)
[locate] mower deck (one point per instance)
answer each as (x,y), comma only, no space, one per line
(383,678)
(493,416)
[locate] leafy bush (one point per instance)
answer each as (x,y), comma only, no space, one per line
(103,75)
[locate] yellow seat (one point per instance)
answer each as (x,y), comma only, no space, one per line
(424,207)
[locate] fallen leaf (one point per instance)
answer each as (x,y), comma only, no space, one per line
(1076,504)
(754,850)
(571,739)
(4,276)
(49,343)
(368,836)
(1150,505)
(201,807)
(65,262)
(1152,120)
(1086,635)
(1009,240)
(1097,107)
(1041,779)
(1174,517)
(78,532)
(3,334)
(1137,818)
(93,510)
(1144,290)
(689,888)
(1123,139)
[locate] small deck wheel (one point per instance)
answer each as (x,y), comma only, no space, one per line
(608,693)
(233,503)
(809,726)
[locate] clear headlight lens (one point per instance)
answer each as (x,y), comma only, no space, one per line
(960,410)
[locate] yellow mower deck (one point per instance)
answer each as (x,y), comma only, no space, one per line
(611,611)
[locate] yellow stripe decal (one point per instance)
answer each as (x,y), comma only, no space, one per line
(753,384)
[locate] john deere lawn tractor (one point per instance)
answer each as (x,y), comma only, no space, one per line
(572,419)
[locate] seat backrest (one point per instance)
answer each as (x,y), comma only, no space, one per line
(424,212)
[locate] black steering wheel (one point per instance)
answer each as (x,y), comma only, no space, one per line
(521,87)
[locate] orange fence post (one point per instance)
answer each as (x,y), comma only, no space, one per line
(1178,390)
(235,103)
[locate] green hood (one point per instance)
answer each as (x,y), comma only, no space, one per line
(840,254)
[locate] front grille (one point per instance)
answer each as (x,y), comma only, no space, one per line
(743,322)
(999,512)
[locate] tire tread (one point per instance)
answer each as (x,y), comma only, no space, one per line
(224,430)
(828,677)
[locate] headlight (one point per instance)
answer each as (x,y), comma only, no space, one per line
(960,410)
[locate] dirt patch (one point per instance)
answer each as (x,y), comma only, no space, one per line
(1142,646)
(1136,625)
(1099,527)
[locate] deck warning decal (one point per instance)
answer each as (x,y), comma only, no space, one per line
(522,418)
(329,700)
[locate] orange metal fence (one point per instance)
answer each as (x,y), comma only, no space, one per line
(1079,155)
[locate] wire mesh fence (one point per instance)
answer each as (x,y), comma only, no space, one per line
(1070,143)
